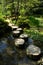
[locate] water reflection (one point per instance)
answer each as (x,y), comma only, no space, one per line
(3,46)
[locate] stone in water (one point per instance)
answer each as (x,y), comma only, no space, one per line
(33,51)
(16,33)
(19,43)
(24,36)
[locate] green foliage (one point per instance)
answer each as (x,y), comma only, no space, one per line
(1,15)
(31,32)
(33,21)
(22,11)
(14,22)
(28,22)
(35,35)
(4,28)
(2,20)
(38,40)
(8,13)
(23,23)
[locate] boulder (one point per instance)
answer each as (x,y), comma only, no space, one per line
(33,52)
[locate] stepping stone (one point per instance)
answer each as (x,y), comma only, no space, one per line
(20,29)
(10,24)
(14,27)
(19,43)
(16,34)
(33,52)
(24,36)
(13,24)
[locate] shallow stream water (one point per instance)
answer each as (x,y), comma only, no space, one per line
(11,56)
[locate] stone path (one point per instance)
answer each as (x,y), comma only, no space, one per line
(14,55)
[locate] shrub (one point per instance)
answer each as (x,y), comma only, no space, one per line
(36,36)
(23,23)
(33,21)
(4,28)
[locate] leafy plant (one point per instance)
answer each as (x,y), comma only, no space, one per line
(4,28)
(23,23)
(33,21)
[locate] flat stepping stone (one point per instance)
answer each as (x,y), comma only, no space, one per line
(19,43)
(24,36)
(20,29)
(14,27)
(10,24)
(16,33)
(33,51)
(8,20)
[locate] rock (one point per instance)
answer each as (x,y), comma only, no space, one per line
(20,29)
(19,43)
(30,41)
(14,27)
(16,34)
(9,24)
(33,52)
(24,36)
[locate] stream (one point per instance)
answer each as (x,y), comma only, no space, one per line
(11,56)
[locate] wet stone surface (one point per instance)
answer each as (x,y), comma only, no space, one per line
(33,52)
(16,34)
(24,36)
(20,29)
(14,27)
(19,43)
